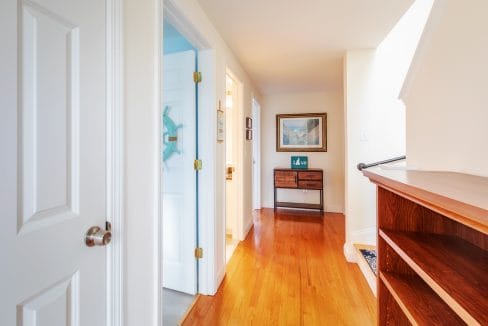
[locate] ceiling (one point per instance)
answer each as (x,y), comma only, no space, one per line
(298,45)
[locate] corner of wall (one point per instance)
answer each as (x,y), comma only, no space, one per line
(350,252)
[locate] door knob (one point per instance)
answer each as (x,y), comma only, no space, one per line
(96,236)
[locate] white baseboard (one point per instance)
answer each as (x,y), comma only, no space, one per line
(334,209)
(247,228)
(367,272)
(350,252)
(220,278)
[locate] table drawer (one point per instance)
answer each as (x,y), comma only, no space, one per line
(310,175)
(309,184)
(286,179)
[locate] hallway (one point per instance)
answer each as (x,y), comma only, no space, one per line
(290,270)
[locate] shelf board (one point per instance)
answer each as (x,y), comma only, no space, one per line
(455,269)
(297,205)
(460,197)
(418,302)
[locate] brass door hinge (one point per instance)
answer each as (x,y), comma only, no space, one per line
(197,77)
(197,165)
(198,253)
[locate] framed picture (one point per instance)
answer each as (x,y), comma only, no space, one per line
(301,132)
(220,124)
(248,134)
(248,123)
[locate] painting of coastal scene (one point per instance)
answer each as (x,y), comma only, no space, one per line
(301,132)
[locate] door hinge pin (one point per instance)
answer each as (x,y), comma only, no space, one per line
(198,253)
(197,77)
(197,165)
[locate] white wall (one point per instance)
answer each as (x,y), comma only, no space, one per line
(375,117)
(447,112)
(332,161)
(215,238)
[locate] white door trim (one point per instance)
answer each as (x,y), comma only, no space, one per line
(141,91)
(240,141)
(115,165)
(256,154)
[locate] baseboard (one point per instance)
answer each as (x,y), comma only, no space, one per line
(220,278)
(350,252)
(328,209)
(365,268)
(247,228)
(334,209)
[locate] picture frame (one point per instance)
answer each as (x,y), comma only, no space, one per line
(220,124)
(306,132)
(248,123)
(249,134)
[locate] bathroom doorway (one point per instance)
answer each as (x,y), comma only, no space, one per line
(234,168)
(179,177)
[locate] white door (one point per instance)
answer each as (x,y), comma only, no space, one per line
(256,155)
(179,176)
(52,165)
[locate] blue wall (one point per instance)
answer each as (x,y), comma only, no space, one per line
(173,41)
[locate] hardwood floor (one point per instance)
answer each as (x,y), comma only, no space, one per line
(290,270)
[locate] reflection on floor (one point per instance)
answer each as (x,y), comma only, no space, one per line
(290,270)
(230,246)
(175,305)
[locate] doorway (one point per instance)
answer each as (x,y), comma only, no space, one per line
(179,177)
(256,154)
(233,159)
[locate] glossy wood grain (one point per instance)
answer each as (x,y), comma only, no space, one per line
(433,230)
(285,179)
(309,184)
(460,197)
(418,302)
(455,269)
(310,175)
(290,270)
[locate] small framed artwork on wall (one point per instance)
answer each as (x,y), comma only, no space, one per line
(301,132)
(220,124)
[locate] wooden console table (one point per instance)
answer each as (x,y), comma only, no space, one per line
(310,179)
(432,247)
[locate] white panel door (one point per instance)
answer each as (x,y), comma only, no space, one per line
(179,176)
(52,165)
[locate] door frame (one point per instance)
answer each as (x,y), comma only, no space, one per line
(115,162)
(134,80)
(240,142)
(256,154)
(207,117)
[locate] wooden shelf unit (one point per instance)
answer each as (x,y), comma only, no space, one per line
(432,247)
(310,179)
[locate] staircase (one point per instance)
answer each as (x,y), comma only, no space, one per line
(366,259)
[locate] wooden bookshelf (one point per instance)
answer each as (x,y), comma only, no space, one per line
(418,302)
(432,247)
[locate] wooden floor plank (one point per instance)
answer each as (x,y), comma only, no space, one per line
(290,270)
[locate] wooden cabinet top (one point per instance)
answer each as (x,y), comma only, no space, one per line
(461,197)
(288,169)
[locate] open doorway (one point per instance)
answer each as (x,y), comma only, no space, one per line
(179,178)
(256,154)
(233,159)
